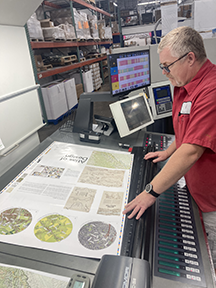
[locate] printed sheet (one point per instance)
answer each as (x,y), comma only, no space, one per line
(13,276)
(70,200)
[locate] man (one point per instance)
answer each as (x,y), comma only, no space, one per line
(193,153)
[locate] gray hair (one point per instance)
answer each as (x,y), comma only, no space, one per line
(182,40)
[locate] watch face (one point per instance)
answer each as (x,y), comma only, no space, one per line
(148,188)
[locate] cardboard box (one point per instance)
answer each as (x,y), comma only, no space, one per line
(115,27)
(38,61)
(46,23)
(79,90)
(54,100)
(70,92)
(87,80)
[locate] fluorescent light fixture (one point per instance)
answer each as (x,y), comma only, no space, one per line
(115,4)
(151,2)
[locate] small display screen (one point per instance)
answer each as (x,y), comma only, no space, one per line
(163,99)
(79,284)
(135,112)
(129,71)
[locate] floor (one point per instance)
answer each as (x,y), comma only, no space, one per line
(99,108)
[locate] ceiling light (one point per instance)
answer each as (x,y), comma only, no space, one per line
(115,4)
(151,2)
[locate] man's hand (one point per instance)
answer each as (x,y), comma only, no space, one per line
(158,155)
(139,205)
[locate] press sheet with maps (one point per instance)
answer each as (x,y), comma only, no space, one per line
(17,277)
(70,200)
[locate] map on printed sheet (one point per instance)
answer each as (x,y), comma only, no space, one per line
(69,200)
(20,277)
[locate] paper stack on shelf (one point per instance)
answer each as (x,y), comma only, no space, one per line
(34,28)
(70,92)
(54,100)
(87,80)
(95,71)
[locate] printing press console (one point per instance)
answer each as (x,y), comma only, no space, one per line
(170,234)
(166,247)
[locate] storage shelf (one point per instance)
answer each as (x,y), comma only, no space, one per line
(47,44)
(81,2)
(57,70)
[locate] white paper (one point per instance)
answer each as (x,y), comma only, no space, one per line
(14,275)
(69,199)
(204,15)
(1,145)
(169,18)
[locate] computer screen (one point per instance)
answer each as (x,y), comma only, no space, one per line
(128,70)
(131,114)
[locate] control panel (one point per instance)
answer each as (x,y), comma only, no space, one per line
(160,99)
(177,251)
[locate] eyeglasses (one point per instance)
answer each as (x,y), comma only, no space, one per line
(166,68)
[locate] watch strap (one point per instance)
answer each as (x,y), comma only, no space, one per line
(153,193)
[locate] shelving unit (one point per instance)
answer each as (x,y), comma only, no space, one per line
(67,44)
(57,70)
(41,45)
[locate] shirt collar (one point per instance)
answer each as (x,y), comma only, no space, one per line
(191,86)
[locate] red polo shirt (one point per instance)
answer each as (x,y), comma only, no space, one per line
(194,121)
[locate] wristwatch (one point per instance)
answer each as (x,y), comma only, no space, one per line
(149,189)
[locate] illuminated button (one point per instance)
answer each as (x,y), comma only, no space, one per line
(167,222)
(168,244)
(190,248)
(188,236)
(189,242)
(186,226)
(167,217)
(165,212)
(164,263)
(195,263)
(194,270)
(168,238)
(192,277)
(165,201)
(185,212)
(186,221)
(190,255)
(168,257)
(169,272)
(184,207)
(183,203)
(168,232)
(167,227)
(187,231)
(166,205)
(168,250)
(185,216)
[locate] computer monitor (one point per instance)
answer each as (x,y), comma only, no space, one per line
(131,114)
(129,69)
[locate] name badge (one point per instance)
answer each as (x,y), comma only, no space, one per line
(186,107)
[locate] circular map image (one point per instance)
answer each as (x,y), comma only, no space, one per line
(97,235)
(14,220)
(53,228)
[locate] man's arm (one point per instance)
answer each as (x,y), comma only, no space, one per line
(177,166)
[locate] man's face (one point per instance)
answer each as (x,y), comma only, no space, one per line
(178,71)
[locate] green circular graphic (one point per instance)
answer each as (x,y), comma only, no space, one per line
(53,228)
(14,220)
